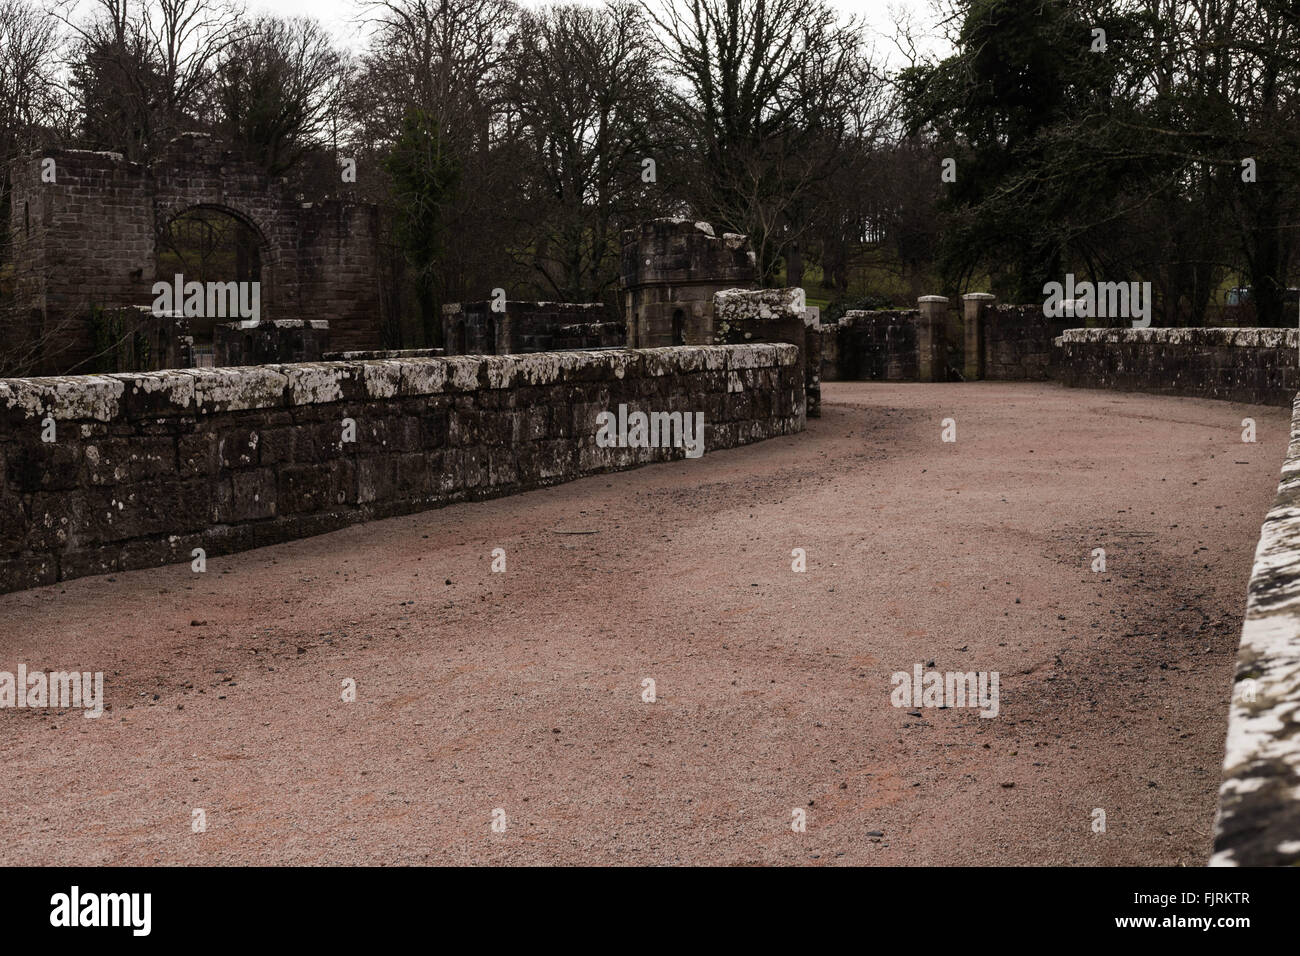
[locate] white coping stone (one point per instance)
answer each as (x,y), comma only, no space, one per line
(1238,338)
(1260,791)
(383,377)
(462,372)
(312,383)
(255,386)
(738,305)
(421,377)
(66,398)
(546,368)
(501,369)
(179,388)
(271,323)
(98,397)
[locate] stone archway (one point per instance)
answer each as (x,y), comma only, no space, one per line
(213,243)
(195,237)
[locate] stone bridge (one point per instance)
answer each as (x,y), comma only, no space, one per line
(523,688)
(1088,544)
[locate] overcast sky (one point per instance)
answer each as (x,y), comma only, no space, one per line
(338,15)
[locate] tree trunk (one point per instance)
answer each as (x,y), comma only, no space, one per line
(794,265)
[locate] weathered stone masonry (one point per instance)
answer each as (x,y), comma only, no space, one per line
(1255,366)
(277,340)
(743,316)
(90,239)
(473,328)
(671,269)
(993,342)
(1008,342)
(148,466)
(1259,799)
(876,346)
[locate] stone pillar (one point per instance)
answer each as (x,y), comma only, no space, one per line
(975,306)
(931,338)
(812,356)
(748,316)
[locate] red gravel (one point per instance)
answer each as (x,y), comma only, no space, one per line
(522,690)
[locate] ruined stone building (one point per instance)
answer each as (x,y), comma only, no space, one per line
(671,269)
(89,231)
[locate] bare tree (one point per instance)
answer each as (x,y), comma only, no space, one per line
(439,56)
(439,64)
(766,94)
(587,100)
(31,105)
(275,91)
(141,70)
(29,87)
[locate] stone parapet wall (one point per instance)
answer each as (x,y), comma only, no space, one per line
(1255,366)
(587,335)
(1017,342)
(145,467)
(878,345)
(371,354)
(830,352)
(1259,798)
(937,343)
(137,339)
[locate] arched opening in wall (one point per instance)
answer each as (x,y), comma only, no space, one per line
(679,327)
(461,338)
(227,255)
